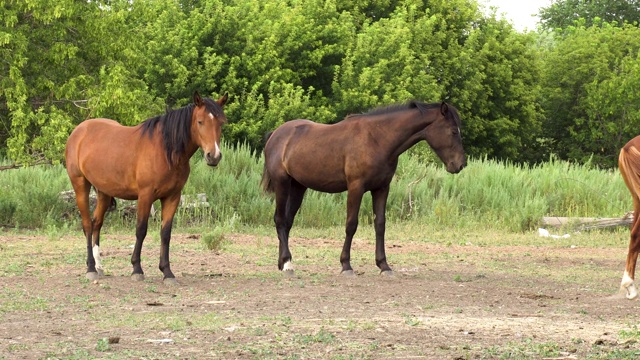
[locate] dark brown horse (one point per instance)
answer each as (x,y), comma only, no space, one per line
(146,162)
(358,154)
(629,164)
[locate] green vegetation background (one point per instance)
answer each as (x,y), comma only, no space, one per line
(487,194)
(567,89)
(544,111)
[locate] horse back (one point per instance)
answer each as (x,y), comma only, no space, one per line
(102,138)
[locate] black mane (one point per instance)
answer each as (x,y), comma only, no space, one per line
(176,128)
(423,107)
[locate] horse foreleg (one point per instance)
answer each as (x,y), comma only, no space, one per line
(82,187)
(169,206)
(143,209)
(104,201)
(627,283)
(379,198)
(354,199)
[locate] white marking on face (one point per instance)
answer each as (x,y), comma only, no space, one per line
(211,116)
(287,266)
(96,256)
(217,151)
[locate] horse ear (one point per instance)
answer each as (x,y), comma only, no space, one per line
(223,99)
(197,100)
(444,108)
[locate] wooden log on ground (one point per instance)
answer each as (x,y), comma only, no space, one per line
(587,223)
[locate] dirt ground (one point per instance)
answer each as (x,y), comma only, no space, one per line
(444,302)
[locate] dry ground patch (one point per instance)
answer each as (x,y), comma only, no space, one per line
(466,300)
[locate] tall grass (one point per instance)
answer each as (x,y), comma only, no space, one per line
(486,194)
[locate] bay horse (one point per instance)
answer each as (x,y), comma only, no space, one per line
(146,162)
(357,154)
(629,165)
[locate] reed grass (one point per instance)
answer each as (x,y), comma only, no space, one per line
(487,194)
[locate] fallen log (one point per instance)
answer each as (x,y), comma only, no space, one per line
(587,223)
(127,208)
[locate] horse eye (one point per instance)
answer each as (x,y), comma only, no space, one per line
(199,122)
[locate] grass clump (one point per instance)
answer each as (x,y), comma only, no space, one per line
(486,194)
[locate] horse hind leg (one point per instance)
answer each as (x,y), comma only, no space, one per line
(283,225)
(627,283)
(627,164)
(103,204)
(294,201)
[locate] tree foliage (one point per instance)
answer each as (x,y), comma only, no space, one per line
(590,84)
(521,95)
(564,13)
(58,68)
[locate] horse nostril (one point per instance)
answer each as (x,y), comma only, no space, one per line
(213,158)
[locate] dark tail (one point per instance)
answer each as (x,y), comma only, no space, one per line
(113,206)
(267,185)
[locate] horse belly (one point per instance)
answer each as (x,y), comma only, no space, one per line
(112,180)
(320,179)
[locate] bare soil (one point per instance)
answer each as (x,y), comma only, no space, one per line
(443,302)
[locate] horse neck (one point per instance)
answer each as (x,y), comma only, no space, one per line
(190,147)
(403,130)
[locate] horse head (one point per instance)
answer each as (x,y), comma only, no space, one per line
(443,135)
(206,126)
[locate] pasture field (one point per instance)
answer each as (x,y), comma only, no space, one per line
(456,294)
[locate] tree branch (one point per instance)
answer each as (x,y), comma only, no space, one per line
(17,166)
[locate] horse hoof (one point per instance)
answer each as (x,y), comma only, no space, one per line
(288,274)
(93,276)
(137,277)
(170,281)
(387,273)
(100,273)
(348,273)
(631,295)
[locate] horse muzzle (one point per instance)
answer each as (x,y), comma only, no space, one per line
(213,159)
(455,168)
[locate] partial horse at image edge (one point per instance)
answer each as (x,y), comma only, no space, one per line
(629,165)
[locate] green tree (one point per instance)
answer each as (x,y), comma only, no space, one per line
(448,51)
(59,68)
(275,54)
(388,62)
(497,84)
(590,81)
(564,13)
